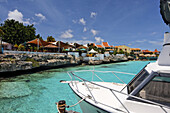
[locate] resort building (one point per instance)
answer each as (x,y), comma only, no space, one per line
(147,52)
(156,52)
(6,45)
(112,47)
(106,45)
(99,46)
(135,50)
(124,48)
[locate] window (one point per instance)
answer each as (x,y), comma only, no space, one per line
(157,90)
(137,80)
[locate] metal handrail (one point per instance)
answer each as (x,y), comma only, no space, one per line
(104,72)
(98,77)
(129,95)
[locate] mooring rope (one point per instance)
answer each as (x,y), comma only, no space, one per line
(66,106)
(79,101)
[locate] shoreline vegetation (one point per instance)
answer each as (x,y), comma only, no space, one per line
(17,64)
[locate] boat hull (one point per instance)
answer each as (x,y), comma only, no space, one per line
(86,107)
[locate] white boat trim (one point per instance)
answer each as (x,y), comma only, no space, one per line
(113,91)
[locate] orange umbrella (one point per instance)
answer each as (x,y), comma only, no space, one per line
(39,42)
(50,46)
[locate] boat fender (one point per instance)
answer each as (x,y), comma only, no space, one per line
(61,106)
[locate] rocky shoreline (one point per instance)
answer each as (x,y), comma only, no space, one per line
(12,63)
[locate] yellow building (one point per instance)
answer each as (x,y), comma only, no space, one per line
(136,50)
(124,48)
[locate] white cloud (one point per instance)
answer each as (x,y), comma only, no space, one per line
(85,29)
(18,16)
(156,42)
(74,21)
(140,41)
(93,14)
(84,38)
(78,41)
(42,17)
(84,41)
(153,33)
(129,44)
(94,32)
(67,34)
(82,21)
(99,39)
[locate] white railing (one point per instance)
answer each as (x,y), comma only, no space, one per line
(113,91)
(28,52)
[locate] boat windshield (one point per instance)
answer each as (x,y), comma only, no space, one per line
(137,80)
(157,90)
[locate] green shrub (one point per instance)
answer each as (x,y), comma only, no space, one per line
(34,62)
(21,47)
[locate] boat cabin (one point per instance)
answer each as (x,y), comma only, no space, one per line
(154,86)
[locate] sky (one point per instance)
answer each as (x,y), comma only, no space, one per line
(135,23)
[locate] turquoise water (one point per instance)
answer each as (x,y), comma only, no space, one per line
(39,94)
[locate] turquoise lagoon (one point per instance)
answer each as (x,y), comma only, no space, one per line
(38,92)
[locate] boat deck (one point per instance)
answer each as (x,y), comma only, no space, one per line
(111,100)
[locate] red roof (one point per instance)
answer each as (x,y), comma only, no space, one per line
(105,44)
(111,46)
(39,42)
(99,46)
(146,51)
(156,51)
(135,49)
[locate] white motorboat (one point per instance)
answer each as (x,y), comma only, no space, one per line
(147,92)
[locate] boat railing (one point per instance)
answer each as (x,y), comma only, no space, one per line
(74,82)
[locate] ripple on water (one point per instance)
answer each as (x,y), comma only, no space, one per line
(14,89)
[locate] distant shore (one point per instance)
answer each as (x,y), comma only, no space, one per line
(17,64)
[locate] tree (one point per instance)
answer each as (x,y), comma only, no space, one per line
(17,33)
(50,39)
(115,51)
(38,36)
(1,32)
(102,50)
(121,51)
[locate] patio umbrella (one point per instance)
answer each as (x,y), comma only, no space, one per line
(50,46)
(92,51)
(38,42)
